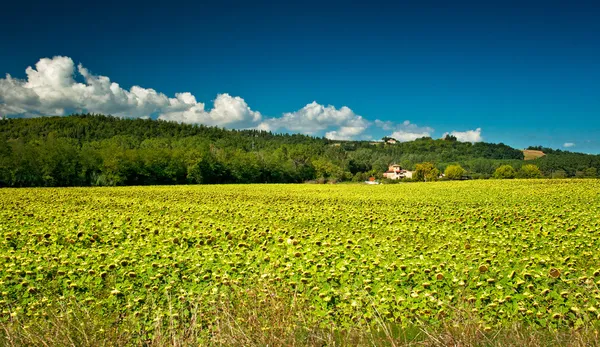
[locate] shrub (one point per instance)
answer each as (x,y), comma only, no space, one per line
(454,172)
(505,171)
(529,171)
(426,172)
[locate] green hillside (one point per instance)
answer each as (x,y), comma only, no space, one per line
(83,150)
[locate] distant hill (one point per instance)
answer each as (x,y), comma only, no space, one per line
(531,154)
(83,150)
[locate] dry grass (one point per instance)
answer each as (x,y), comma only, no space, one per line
(532,154)
(254,320)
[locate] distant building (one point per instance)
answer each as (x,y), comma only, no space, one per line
(395,172)
(391,141)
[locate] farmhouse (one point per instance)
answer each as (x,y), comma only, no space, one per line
(395,172)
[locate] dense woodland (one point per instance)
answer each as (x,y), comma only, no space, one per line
(97,150)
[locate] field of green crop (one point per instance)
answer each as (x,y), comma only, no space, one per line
(490,252)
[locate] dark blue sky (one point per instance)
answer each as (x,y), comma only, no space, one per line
(526,74)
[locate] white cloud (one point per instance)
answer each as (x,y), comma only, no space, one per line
(55,86)
(227,111)
(404,136)
(466,136)
(385,125)
(568,144)
(406,131)
(342,123)
(51,89)
(344,133)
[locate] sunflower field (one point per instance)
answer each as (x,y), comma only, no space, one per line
(490,252)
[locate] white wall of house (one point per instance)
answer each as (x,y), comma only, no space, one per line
(396,175)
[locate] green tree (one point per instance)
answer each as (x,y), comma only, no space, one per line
(449,137)
(505,171)
(454,172)
(194,172)
(426,172)
(481,166)
(590,172)
(529,171)
(327,170)
(559,174)
(25,169)
(5,163)
(360,177)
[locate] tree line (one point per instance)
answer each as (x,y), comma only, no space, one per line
(97,150)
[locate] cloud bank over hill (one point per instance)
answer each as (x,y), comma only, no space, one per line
(313,118)
(466,136)
(52,88)
(406,131)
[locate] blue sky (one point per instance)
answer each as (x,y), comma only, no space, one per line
(522,74)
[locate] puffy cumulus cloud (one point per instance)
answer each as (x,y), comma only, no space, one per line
(466,136)
(227,111)
(568,144)
(51,89)
(385,125)
(20,97)
(339,124)
(344,133)
(100,95)
(405,131)
(56,86)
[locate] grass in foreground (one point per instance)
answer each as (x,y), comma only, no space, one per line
(270,322)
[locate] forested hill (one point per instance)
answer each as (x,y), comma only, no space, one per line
(87,128)
(102,150)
